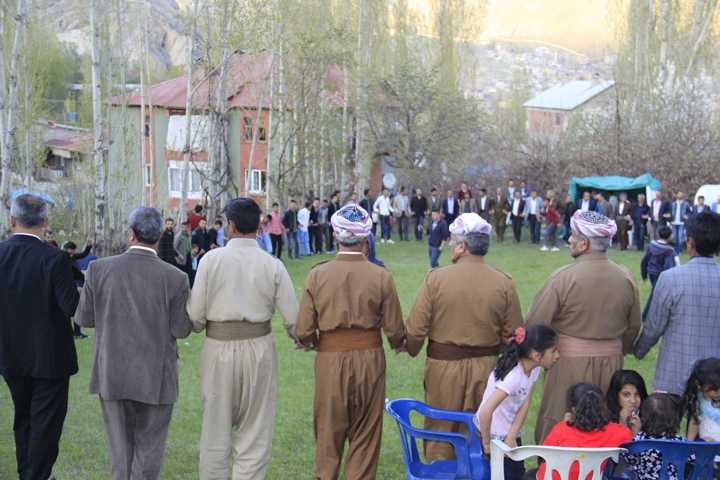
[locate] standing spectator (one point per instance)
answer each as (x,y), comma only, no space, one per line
(324,223)
(353,199)
(78,274)
(463,343)
(303,219)
(570,209)
(350,363)
(467,205)
(450,208)
(524,189)
(138,307)
(290,224)
(623,214)
(37,352)
(401,211)
(367,204)
(596,322)
(716,206)
(511,189)
(660,256)
(275,229)
(183,247)
(418,208)
(684,309)
(194,219)
(559,205)
(236,293)
(533,213)
(482,205)
(700,207)
(517,215)
(201,238)
(434,201)
(587,203)
(332,208)
(166,246)
(263,235)
(383,208)
(552,222)
(499,209)
(660,213)
(314,227)
(680,211)
(463,191)
(438,234)
(49,238)
(214,234)
(640,215)
(603,207)
(220,240)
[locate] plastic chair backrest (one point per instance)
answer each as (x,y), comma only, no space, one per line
(558,459)
(677,453)
(470,463)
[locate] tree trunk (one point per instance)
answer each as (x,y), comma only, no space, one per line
(256,122)
(701,37)
(123,129)
(9,139)
(664,39)
(5,155)
(151,113)
(189,69)
(98,126)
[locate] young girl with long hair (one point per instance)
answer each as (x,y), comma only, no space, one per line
(702,400)
(510,387)
(624,396)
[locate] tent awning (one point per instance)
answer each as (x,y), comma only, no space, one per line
(614,184)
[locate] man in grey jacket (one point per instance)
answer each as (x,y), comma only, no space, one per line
(137,305)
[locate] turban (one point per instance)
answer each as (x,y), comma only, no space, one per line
(592,224)
(468,223)
(351,221)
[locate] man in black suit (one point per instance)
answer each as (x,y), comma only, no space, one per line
(659,214)
(37,352)
(450,208)
(332,208)
(517,215)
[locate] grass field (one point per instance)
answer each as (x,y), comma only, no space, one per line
(83,447)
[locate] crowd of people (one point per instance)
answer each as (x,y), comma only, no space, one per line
(580,324)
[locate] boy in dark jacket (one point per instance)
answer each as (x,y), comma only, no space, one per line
(660,256)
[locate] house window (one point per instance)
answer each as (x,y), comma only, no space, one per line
(194,178)
(148,175)
(255,181)
(262,131)
(558,120)
(248,129)
(147,126)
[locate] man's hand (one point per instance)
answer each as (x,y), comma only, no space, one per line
(201,252)
(89,241)
(181,258)
(301,346)
(402,348)
(644,280)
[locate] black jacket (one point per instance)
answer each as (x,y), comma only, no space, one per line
(418,206)
(38,296)
(166,247)
(436,237)
(201,238)
(289,220)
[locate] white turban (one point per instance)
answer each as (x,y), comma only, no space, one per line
(351,221)
(468,223)
(593,224)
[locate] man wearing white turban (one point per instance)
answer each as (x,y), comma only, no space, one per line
(467,311)
(594,306)
(348,301)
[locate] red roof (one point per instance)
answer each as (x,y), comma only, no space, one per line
(246,79)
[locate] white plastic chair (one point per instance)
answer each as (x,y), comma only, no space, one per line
(559,459)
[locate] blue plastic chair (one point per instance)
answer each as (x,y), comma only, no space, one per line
(470,463)
(677,453)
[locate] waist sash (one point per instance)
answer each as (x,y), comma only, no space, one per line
(242,330)
(582,347)
(443,351)
(343,339)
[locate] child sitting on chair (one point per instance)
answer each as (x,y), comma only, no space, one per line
(660,420)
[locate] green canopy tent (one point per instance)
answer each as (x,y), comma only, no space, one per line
(614,185)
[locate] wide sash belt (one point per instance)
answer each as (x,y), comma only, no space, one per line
(582,347)
(444,351)
(343,339)
(241,330)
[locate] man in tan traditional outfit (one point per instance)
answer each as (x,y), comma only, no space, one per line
(594,306)
(237,289)
(349,300)
(467,311)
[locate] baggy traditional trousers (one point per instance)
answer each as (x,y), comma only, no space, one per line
(238,388)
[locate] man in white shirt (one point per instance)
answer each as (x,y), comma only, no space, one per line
(533,207)
(383,208)
(511,189)
(303,217)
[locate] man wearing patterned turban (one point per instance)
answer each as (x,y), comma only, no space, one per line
(594,305)
(467,311)
(348,301)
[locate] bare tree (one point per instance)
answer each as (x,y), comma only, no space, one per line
(98,130)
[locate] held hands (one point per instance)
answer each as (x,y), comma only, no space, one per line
(301,346)
(402,348)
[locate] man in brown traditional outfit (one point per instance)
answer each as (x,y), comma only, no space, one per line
(594,306)
(467,311)
(349,300)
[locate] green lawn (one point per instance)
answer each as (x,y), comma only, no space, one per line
(83,449)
